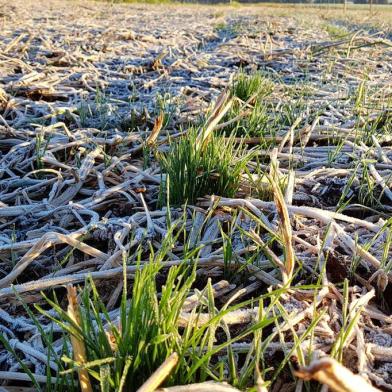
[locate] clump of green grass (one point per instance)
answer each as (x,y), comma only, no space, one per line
(360,96)
(153,320)
(165,104)
(97,113)
(145,334)
(230,29)
(259,182)
(123,348)
(249,122)
(250,119)
(192,171)
(260,115)
(254,86)
(336,32)
(41,146)
(361,187)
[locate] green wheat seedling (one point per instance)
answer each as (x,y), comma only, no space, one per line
(54,382)
(351,311)
(334,154)
(192,171)
(360,96)
(255,114)
(355,261)
(145,333)
(249,120)
(283,238)
(122,353)
(260,184)
(41,145)
(296,350)
(125,347)
(360,186)
(97,113)
(367,190)
(251,87)
(165,105)
(85,113)
(386,261)
(229,29)
(336,32)
(102,109)
(374,128)
(374,245)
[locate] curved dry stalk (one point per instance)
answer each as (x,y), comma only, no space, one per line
(78,347)
(208,386)
(329,372)
(285,229)
(47,241)
(157,378)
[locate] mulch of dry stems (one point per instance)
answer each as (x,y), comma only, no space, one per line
(70,180)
